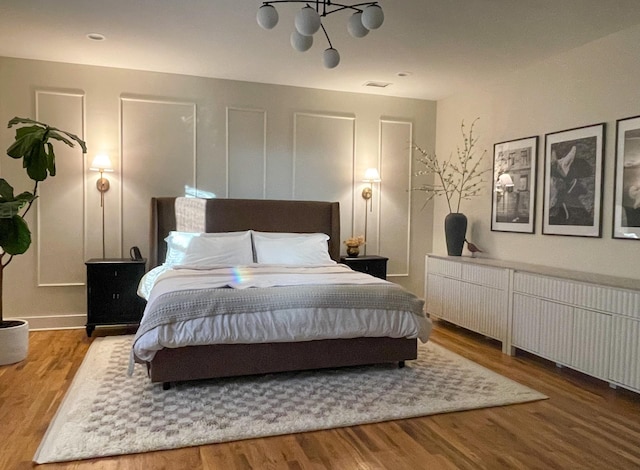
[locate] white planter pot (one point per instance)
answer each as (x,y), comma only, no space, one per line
(14,343)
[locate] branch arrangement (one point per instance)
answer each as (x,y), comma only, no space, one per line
(459,178)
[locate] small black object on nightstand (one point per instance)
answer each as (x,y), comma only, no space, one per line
(374,265)
(112,297)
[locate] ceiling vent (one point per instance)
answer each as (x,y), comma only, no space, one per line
(377,84)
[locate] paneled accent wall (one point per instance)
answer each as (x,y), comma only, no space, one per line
(395,200)
(323,161)
(61,246)
(158,159)
(167,133)
(246,153)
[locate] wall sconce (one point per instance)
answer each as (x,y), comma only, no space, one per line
(370,176)
(504,184)
(102,163)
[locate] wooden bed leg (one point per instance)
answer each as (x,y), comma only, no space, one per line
(400,364)
(166,385)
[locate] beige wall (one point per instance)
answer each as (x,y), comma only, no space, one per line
(163,131)
(595,83)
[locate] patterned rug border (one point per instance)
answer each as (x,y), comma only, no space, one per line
(80,399)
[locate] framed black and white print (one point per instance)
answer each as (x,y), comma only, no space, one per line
(573,170)
(626,209)
(514,185)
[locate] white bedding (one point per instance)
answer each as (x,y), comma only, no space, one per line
(270,326)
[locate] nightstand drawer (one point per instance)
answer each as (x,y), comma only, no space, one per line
(373,265)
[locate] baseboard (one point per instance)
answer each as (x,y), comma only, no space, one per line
(56,322)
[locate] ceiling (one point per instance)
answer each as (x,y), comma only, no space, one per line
(445,45)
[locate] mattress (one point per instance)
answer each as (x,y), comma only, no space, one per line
(271,303)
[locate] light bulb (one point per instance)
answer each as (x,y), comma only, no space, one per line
(267,16)
(331,58)
(307,21)
(372,17)
(355,26)
(301,42)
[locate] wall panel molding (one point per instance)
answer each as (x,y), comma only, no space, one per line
(158,157)
(323,163)
(246,138)
(61,248)
(394,209)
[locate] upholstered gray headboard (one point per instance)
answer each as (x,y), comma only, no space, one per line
(232,215)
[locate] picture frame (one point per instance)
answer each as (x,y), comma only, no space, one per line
(626,205)
(515,166)
(573,177)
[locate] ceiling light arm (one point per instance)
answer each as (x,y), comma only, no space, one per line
(358,7)
(326,35)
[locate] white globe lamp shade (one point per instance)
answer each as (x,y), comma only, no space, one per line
(300,42)
(372,17)
(307,21)
(267,16)
(355,26)
(331,58)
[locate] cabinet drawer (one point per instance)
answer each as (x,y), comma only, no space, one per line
(490,277)
(545,287)
(584,295)
(444,267)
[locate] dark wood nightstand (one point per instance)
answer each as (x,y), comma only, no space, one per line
(111,292)
(374,265)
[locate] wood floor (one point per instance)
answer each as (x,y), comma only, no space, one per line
(584,424)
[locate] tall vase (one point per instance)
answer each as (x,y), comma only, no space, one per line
(455,231)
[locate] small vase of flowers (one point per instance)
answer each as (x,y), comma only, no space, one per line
(353,245)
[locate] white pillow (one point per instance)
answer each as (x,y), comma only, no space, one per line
(291,248)
(208,249)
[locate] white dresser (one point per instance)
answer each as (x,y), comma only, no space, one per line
(588,322)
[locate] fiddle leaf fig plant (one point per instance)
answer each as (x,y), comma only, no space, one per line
(38,159)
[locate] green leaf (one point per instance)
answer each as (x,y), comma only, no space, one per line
(26,139)
(37,164)
(15,237)
(9,209)
(6,190)
(51,160)
(19,120)
(55,135)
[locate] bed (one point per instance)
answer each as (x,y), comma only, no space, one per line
(182,362)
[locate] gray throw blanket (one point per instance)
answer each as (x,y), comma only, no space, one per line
(179,306)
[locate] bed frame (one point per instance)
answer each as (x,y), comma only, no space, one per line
(227,215)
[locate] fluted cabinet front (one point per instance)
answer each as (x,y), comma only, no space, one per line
(587,322)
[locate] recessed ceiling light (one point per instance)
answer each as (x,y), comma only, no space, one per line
(403,74)
(377,84)
(96,37)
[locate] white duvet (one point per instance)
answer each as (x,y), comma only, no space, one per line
(270,326)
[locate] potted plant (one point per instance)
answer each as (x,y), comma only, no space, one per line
(455,179)
(38,159)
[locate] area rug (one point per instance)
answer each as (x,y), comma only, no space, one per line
(106,412)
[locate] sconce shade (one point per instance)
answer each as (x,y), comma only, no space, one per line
(372,17)
(505,180)
(300,42)
(331,58)
(371,176)
(267,16)
(307,21)
(101,162)
(355,26)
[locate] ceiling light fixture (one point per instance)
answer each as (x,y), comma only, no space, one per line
(308,21)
